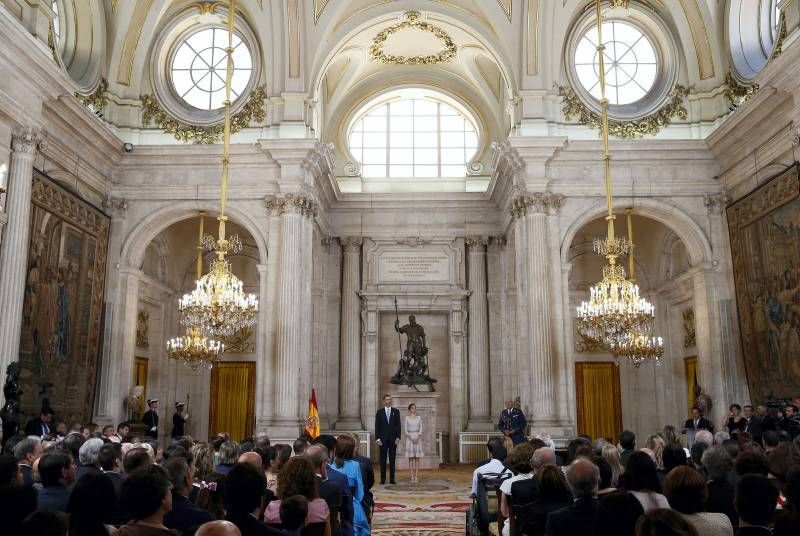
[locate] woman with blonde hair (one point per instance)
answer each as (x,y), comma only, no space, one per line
(611,454)
(203,454)
(656,444)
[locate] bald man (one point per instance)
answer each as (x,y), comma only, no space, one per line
(583,478)
(218,528)
(253,458)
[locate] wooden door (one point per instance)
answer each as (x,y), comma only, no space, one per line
(233,398)
(598,400)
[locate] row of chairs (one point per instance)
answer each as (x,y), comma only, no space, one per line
(485,508)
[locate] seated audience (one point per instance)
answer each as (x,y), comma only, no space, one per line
(211,495)
(347,516)
(606,475)
(696,456)
(253,458)
(16,502)
(203,455)
(670,435)
(686,492)
(91,505)
(284,453)
(579,517)
(718,465)
(751,462)
(612,456)
(298,477)
(333,495)
(45,523)
(756,500)
(294,513)
(244,491)
(110,461)
(87,456)
(519,461)
(26,452)
(228,454)
(627,446)
(617,514)
(779,460)
(136,459)
(704,436)
(344,463)
(218,528)
(271,468)
(40,426)
(299,446)
(641,480)
(10,474)
(184,516)
(494,465)
(57,472)
(664,522)
(656,445)
(146,495)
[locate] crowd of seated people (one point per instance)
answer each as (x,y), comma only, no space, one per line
(742,480)
(83,480)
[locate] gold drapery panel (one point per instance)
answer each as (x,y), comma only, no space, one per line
(233,390)
(598,400)
(690,367)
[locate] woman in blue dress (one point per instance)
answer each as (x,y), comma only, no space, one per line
(344,462)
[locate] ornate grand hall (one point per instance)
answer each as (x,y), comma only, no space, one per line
(537,260)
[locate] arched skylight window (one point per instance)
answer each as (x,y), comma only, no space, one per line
(56,21)
(754,32)
(199,68)
(413,135)
(630,62)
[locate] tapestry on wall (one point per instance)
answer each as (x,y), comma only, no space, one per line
(765,246)
(61,328)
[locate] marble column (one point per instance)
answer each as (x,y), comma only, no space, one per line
(16,241)
(266,411)
(350,341)
(478,341)
(291,314)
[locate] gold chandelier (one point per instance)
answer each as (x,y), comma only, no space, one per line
(193,349)
(615,310)
(637,347)
(218,305)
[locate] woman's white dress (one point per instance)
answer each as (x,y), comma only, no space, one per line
(413,432)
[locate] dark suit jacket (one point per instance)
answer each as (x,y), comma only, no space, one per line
(119,516)
(346,513)
(577,518)
(27,474)
(623,457)
(250,526)
(34,427)
(387,432)
(185,516)
(150,419)
(702,424)
(53,498)
(86,470)
(720,499)
(754,429)
(753,531)
(334,497)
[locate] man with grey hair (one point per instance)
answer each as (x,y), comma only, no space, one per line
(721,493)
(704,436)
(541,457)
(26,452)
(184,516)
(720,437)
(583,478)
(331,492)
(87,456)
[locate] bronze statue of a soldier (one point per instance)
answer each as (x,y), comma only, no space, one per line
(413,366)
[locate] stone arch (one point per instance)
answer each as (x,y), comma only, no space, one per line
(150,226)
(675,219)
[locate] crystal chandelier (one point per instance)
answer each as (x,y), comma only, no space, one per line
(194,349)
(218,305)
(614,310)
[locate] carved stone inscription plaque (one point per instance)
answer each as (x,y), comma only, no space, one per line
(414,267)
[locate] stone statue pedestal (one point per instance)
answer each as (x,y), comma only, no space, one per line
(425,400)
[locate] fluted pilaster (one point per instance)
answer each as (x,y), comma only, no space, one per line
(531,212)
(350,342)
(16,238)
(478,341)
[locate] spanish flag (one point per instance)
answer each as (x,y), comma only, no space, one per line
(312,421)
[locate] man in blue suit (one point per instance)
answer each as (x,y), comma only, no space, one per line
(512,423)
(57,471)
(387,436)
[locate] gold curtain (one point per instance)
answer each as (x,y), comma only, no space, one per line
(690,366)
(598,400)
(233,398)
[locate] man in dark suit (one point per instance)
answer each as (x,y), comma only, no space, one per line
(627,442)
(752,424)
(41,425)
(150,418)
(512,423)
(57,472)
(368,477)
(26,452)
(387,436)
(110,461)
(184,516)
(244,490)
(340,479)
(329,491)
(583,478)
(697,422)
(718,465)
(756,499)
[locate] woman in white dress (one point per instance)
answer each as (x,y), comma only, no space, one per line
(413,441)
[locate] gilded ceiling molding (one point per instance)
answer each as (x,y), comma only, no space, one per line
(702,45)
(128,54)
(532,49)
(447,52)
(506,6)
(293,23)
(319,6)
(649,125)
(253,111)
(736,93)
(114,5)
(96,100)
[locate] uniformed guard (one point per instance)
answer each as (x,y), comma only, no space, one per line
(150,418)
(179,420)
(512,423)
